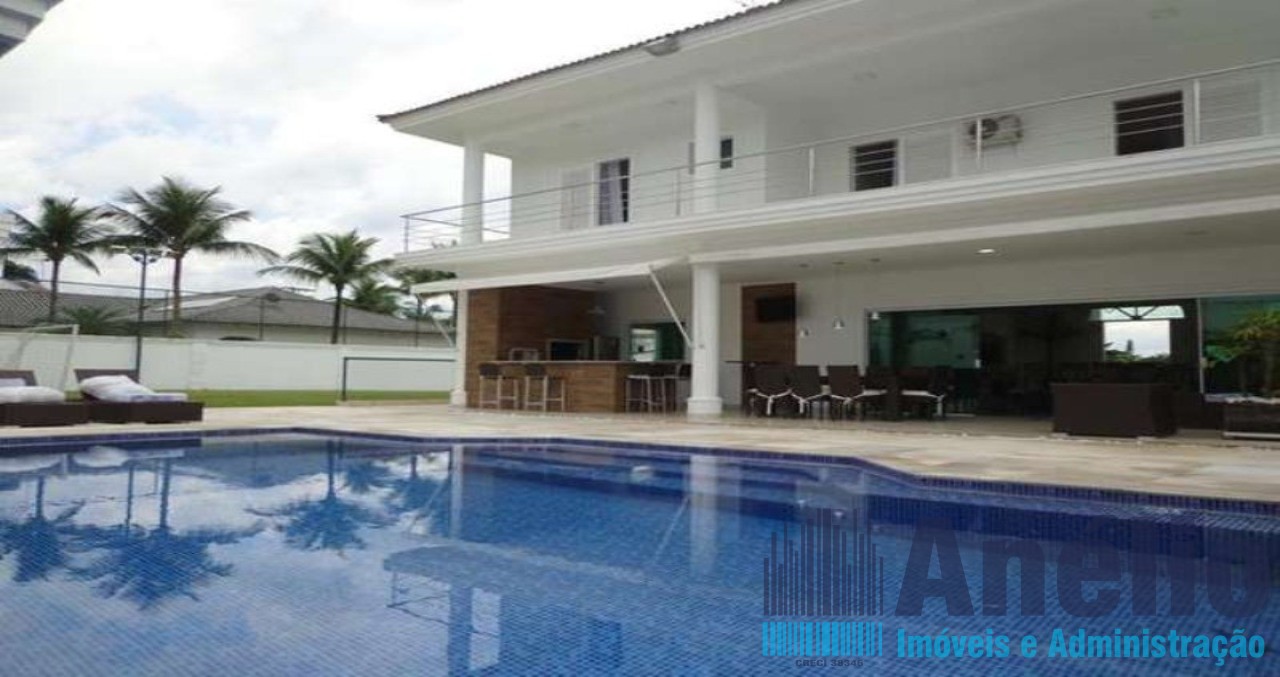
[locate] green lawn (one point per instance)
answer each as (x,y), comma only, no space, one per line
(304,398)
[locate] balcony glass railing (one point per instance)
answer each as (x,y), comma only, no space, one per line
(1201,109)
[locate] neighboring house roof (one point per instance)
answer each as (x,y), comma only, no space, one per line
(24,308)
(27,307)
(249,306)
(603,55)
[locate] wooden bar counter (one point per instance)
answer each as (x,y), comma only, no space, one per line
(592,385)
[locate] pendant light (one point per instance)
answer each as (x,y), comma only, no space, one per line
(838,324)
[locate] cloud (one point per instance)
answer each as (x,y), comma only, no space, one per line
(275,101)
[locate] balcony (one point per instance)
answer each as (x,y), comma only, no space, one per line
(1159,117)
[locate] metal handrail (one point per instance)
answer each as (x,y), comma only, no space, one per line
(686,188)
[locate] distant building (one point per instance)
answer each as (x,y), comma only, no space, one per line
(18,18)
(260,314)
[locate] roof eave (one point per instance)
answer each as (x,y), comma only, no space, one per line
(563,73)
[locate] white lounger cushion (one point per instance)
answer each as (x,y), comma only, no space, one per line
(30,394)
(124,389)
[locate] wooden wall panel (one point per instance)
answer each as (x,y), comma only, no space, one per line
(522,317)
(767,341)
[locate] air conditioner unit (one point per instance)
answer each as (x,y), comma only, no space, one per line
(998,130)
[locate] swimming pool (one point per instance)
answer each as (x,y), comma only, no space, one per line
(301,552)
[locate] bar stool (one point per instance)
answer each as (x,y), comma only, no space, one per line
(646,388)
(677,374)
(492,375)
(536,379)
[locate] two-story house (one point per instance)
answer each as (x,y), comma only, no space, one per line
(18,18)
(1017,189)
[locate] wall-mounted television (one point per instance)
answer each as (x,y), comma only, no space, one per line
(565,349)
(775,309)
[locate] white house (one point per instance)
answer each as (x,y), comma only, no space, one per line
(1012,188)
(18,18)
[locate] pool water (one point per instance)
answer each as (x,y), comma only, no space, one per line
(306,554)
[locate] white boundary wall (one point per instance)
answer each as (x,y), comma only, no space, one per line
(185,364)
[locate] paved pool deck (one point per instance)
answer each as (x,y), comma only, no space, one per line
(1197,463)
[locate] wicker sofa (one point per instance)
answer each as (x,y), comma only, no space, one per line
(1114,409)
(1251,418)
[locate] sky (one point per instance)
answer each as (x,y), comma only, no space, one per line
(275,101)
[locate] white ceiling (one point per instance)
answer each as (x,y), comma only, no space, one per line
(1231,232)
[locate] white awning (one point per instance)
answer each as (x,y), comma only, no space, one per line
(545,277)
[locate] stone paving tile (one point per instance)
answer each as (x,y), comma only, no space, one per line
(998,449)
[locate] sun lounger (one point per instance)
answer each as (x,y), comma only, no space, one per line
(28,405)
(135,407)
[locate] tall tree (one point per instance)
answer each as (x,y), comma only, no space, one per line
(150,566)
(63,231)
(40,542)
(408,277)
(19,273)
(339,259)
(328,523)
(178,219)
(375,296)
(97,320)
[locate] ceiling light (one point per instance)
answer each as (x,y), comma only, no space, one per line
(838,325)
(804,332)
(986,251)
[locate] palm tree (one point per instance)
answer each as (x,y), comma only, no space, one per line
(342,260)
(375,296)
(19,273)
(96,320)
(365,476)
(411,493)
(40,542)
(63,231)
(408,278)
(178,218)
(149,566)
(328,523)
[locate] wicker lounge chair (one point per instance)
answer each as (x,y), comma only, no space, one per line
(33,414)
(136,412)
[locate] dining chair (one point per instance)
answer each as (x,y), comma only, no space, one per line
(806,389)
(771,386)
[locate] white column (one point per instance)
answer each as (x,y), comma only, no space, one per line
(706,148)
(472,194)
(704,387)
(703,515)
(457,474)
(458,396)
